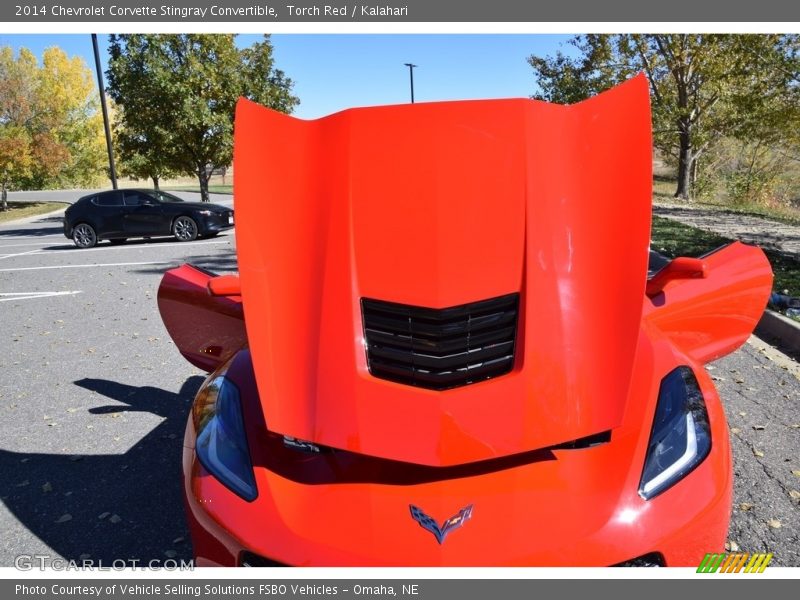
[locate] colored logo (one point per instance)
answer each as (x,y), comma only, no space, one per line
(449,525)
(734,563)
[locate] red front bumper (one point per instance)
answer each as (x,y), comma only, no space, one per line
(360,526)
(579,508)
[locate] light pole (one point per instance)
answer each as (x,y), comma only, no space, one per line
(111,165)
(411,76)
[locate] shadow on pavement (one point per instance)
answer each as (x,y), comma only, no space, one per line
(138,493)
(131,243)
(221,262)
(30,231)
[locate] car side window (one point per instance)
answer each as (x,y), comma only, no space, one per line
(110,199)
(134,198)
(164,197)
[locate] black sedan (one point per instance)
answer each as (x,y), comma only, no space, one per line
(117,215)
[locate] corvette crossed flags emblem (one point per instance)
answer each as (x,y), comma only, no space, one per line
(429,523)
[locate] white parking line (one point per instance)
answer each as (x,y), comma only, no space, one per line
(125,264)
(9,296)
(20,254)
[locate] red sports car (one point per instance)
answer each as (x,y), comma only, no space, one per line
(443,348)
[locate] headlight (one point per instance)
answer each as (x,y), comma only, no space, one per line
(221,442)
(680,438)
(205,213)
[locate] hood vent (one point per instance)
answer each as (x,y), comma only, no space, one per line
(440,348)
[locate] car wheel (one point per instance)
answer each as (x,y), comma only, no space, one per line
(84,236)
(184,229)
(118,241)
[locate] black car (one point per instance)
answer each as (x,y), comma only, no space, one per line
(117,215)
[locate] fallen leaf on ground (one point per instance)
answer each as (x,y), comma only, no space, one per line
(758,453)
(731,546)
(745,506)
(774,523)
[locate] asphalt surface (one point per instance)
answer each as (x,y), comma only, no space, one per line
(94,397)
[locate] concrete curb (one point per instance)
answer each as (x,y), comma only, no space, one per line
(780,330)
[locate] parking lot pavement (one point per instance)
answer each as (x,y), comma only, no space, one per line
(760,389)
(94,397)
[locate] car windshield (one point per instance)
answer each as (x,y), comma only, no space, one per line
(165,197)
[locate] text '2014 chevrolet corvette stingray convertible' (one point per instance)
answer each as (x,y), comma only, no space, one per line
(443,347)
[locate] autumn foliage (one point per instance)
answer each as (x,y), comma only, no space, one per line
(51,131)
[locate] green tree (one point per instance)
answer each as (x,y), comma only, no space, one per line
(702,86)
(140,154)
(177,95)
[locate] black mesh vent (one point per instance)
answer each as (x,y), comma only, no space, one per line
(654,559)
(248,559)
(440,348)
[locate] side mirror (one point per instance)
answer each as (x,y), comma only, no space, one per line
(225,285)
(679,268)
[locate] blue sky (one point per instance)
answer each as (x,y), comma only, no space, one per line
(335,71)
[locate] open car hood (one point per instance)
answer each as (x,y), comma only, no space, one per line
(439,205)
